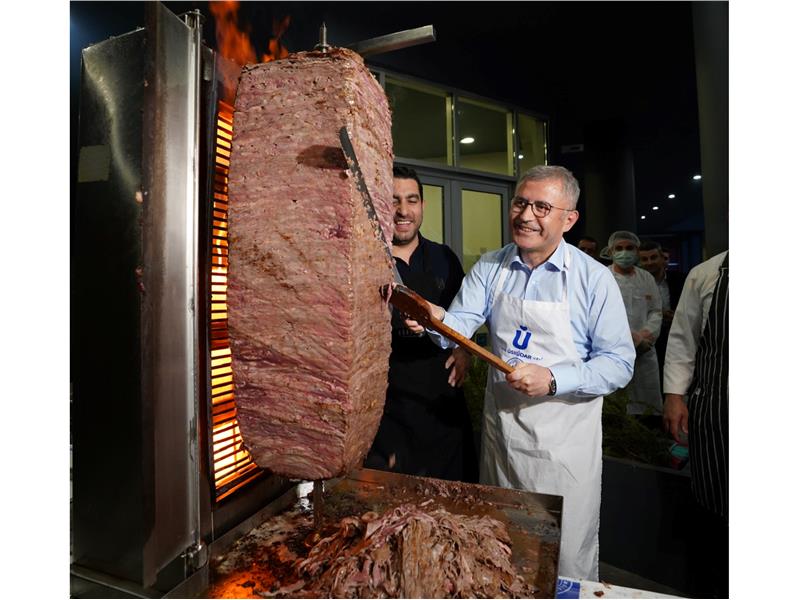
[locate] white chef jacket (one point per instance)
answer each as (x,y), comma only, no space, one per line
(663,287)
(642,300)
(688,323)
(643,307)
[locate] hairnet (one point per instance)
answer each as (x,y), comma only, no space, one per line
(622,235)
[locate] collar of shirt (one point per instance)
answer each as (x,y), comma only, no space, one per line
(416,257)
(554,263)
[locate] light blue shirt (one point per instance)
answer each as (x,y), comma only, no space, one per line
(597,314)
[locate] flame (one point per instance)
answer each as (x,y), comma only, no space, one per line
(234,43)
(276,49)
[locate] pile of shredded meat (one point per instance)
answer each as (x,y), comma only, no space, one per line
(409,552)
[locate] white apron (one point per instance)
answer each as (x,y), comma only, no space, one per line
(644,389)
(548,445)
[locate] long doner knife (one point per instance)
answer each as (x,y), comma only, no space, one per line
(366,198)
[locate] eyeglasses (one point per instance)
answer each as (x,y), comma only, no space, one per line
(540,207)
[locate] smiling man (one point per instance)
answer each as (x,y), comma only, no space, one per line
(558,316)
(425,429)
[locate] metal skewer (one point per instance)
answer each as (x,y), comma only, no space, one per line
(317,501)
(323,39)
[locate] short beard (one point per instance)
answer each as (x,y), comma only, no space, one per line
(398,242)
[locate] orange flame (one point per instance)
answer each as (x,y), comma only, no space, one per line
(276,49)
(234,43)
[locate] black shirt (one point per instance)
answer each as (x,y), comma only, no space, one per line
(435,273)
(425,429)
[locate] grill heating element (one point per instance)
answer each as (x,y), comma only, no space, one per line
(233,467)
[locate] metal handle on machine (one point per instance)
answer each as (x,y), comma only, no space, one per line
(395,41)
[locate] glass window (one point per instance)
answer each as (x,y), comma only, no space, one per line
(485,142)
(433,213)
(482,228)
(532,142)
(421,124)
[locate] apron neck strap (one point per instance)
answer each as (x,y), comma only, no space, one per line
(504,269)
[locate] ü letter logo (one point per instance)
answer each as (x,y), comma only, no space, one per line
(524,344)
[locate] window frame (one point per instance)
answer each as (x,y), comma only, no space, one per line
(456,95)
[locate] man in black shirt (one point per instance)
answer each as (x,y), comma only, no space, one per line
(425,429)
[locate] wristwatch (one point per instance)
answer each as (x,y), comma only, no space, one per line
(553,387)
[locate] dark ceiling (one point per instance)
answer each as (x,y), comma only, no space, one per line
(630,64)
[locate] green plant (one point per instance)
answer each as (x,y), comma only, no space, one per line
(474,389)
(624,436)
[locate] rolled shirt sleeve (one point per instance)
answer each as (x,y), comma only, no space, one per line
(687,326)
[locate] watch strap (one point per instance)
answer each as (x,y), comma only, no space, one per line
(553,386)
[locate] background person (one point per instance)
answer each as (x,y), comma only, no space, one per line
(696,404)
(653,259)
(425,429)
(558,316)
(643,307)
(588,245)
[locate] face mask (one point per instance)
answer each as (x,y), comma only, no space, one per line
(625,258)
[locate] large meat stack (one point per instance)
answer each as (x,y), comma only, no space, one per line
(309,332)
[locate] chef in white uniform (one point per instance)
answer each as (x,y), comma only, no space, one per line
(557,315)
(643,306)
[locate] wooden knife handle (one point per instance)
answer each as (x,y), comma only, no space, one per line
(469,345)
(415,306)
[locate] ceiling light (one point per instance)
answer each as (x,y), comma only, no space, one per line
(671,196)
(696,177)
(655,208)
(643,217)
(467,140)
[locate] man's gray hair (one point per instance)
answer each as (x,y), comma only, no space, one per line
(569,185)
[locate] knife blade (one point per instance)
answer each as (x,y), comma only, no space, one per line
(415,306)
(366,198)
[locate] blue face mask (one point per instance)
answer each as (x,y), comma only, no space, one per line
(624,258)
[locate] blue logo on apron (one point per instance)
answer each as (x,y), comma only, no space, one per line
(524,343)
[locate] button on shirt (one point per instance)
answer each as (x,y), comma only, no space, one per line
(597,314)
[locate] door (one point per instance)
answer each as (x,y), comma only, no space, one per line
(469,216)
(479,219)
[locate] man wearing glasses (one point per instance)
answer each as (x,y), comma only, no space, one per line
(557,316)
